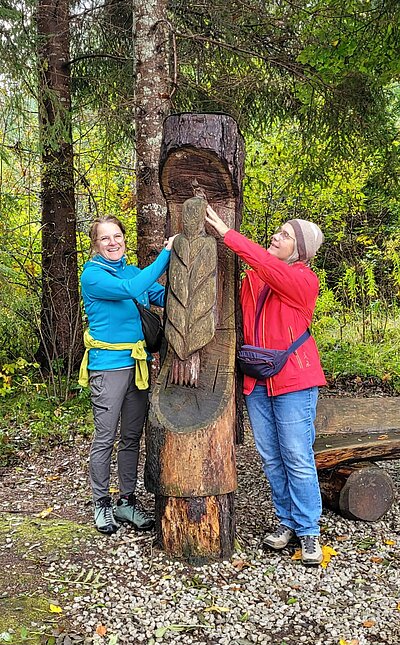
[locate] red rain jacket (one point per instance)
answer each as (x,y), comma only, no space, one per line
(286,314)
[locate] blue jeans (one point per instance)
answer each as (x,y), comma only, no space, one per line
(284,433)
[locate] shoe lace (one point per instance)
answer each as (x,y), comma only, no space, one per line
(309,543)
(281,530)
(105,505)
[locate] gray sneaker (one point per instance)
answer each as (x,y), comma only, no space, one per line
(128,509)
(279,538)
(311,552)
(103,516)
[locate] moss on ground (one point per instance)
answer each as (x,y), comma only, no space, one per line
(22,620)
(29,535)
(27,546)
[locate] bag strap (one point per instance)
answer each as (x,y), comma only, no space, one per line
(259,307)
(260,304)
(296,344)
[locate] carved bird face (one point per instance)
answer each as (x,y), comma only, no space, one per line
(110,241)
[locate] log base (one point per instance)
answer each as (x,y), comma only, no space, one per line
(360,491)
(198,529)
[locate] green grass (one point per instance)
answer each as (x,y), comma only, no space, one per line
(32,420)
(348,351)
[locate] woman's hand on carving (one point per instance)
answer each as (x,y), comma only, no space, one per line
(216,222)
(168,244)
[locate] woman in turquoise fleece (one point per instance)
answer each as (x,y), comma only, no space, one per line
(116,363)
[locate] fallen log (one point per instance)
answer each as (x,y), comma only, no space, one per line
(360,491)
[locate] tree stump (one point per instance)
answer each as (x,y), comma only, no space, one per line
(190,434)
(360,491)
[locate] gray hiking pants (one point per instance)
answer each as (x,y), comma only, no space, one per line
(115,398)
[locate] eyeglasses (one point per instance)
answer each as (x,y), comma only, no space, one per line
(282,233)
(107,239)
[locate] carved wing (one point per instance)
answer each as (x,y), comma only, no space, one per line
(191,296)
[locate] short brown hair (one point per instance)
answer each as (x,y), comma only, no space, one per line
(95,225)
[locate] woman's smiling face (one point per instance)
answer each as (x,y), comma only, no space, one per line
(110,241)
(282,242)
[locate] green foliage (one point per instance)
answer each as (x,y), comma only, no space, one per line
(347,352)
(32,419)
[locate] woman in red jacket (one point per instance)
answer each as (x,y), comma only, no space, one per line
(278,299)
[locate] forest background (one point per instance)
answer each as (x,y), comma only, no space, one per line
(84,89)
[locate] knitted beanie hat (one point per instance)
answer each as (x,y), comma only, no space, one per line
(309,238)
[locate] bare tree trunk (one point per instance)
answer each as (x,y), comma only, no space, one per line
(61,327)
(150,34)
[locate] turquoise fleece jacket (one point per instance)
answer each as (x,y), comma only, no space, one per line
(107,290)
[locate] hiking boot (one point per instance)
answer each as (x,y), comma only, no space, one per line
(128,509)
(103,516)
(279,538)
(311,552)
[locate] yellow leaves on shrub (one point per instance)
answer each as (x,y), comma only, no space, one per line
(55,609)
(327,551)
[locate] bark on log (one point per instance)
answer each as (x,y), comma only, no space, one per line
(190,435)
(331,450)
(360,491)
(349,414)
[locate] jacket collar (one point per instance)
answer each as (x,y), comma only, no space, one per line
(109,265)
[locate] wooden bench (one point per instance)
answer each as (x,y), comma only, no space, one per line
(351,432)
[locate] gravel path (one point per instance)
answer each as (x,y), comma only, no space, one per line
(135,594)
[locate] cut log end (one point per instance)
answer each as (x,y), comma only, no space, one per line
(360,491)
(198,529)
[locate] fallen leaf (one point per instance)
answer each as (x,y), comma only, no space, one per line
(390,542)
(113,490)
(55,609)
(342,538)
(376,559)
(52,478)
(240,564)
(382,437)
(398,606)
(354,641)
(327,553)
(101,630)
(45,512)
(369,623)
(217,609)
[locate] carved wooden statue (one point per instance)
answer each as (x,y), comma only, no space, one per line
(191,431)
(191,298)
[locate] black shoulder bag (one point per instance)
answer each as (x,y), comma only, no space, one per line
(261,363)
(152,328)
